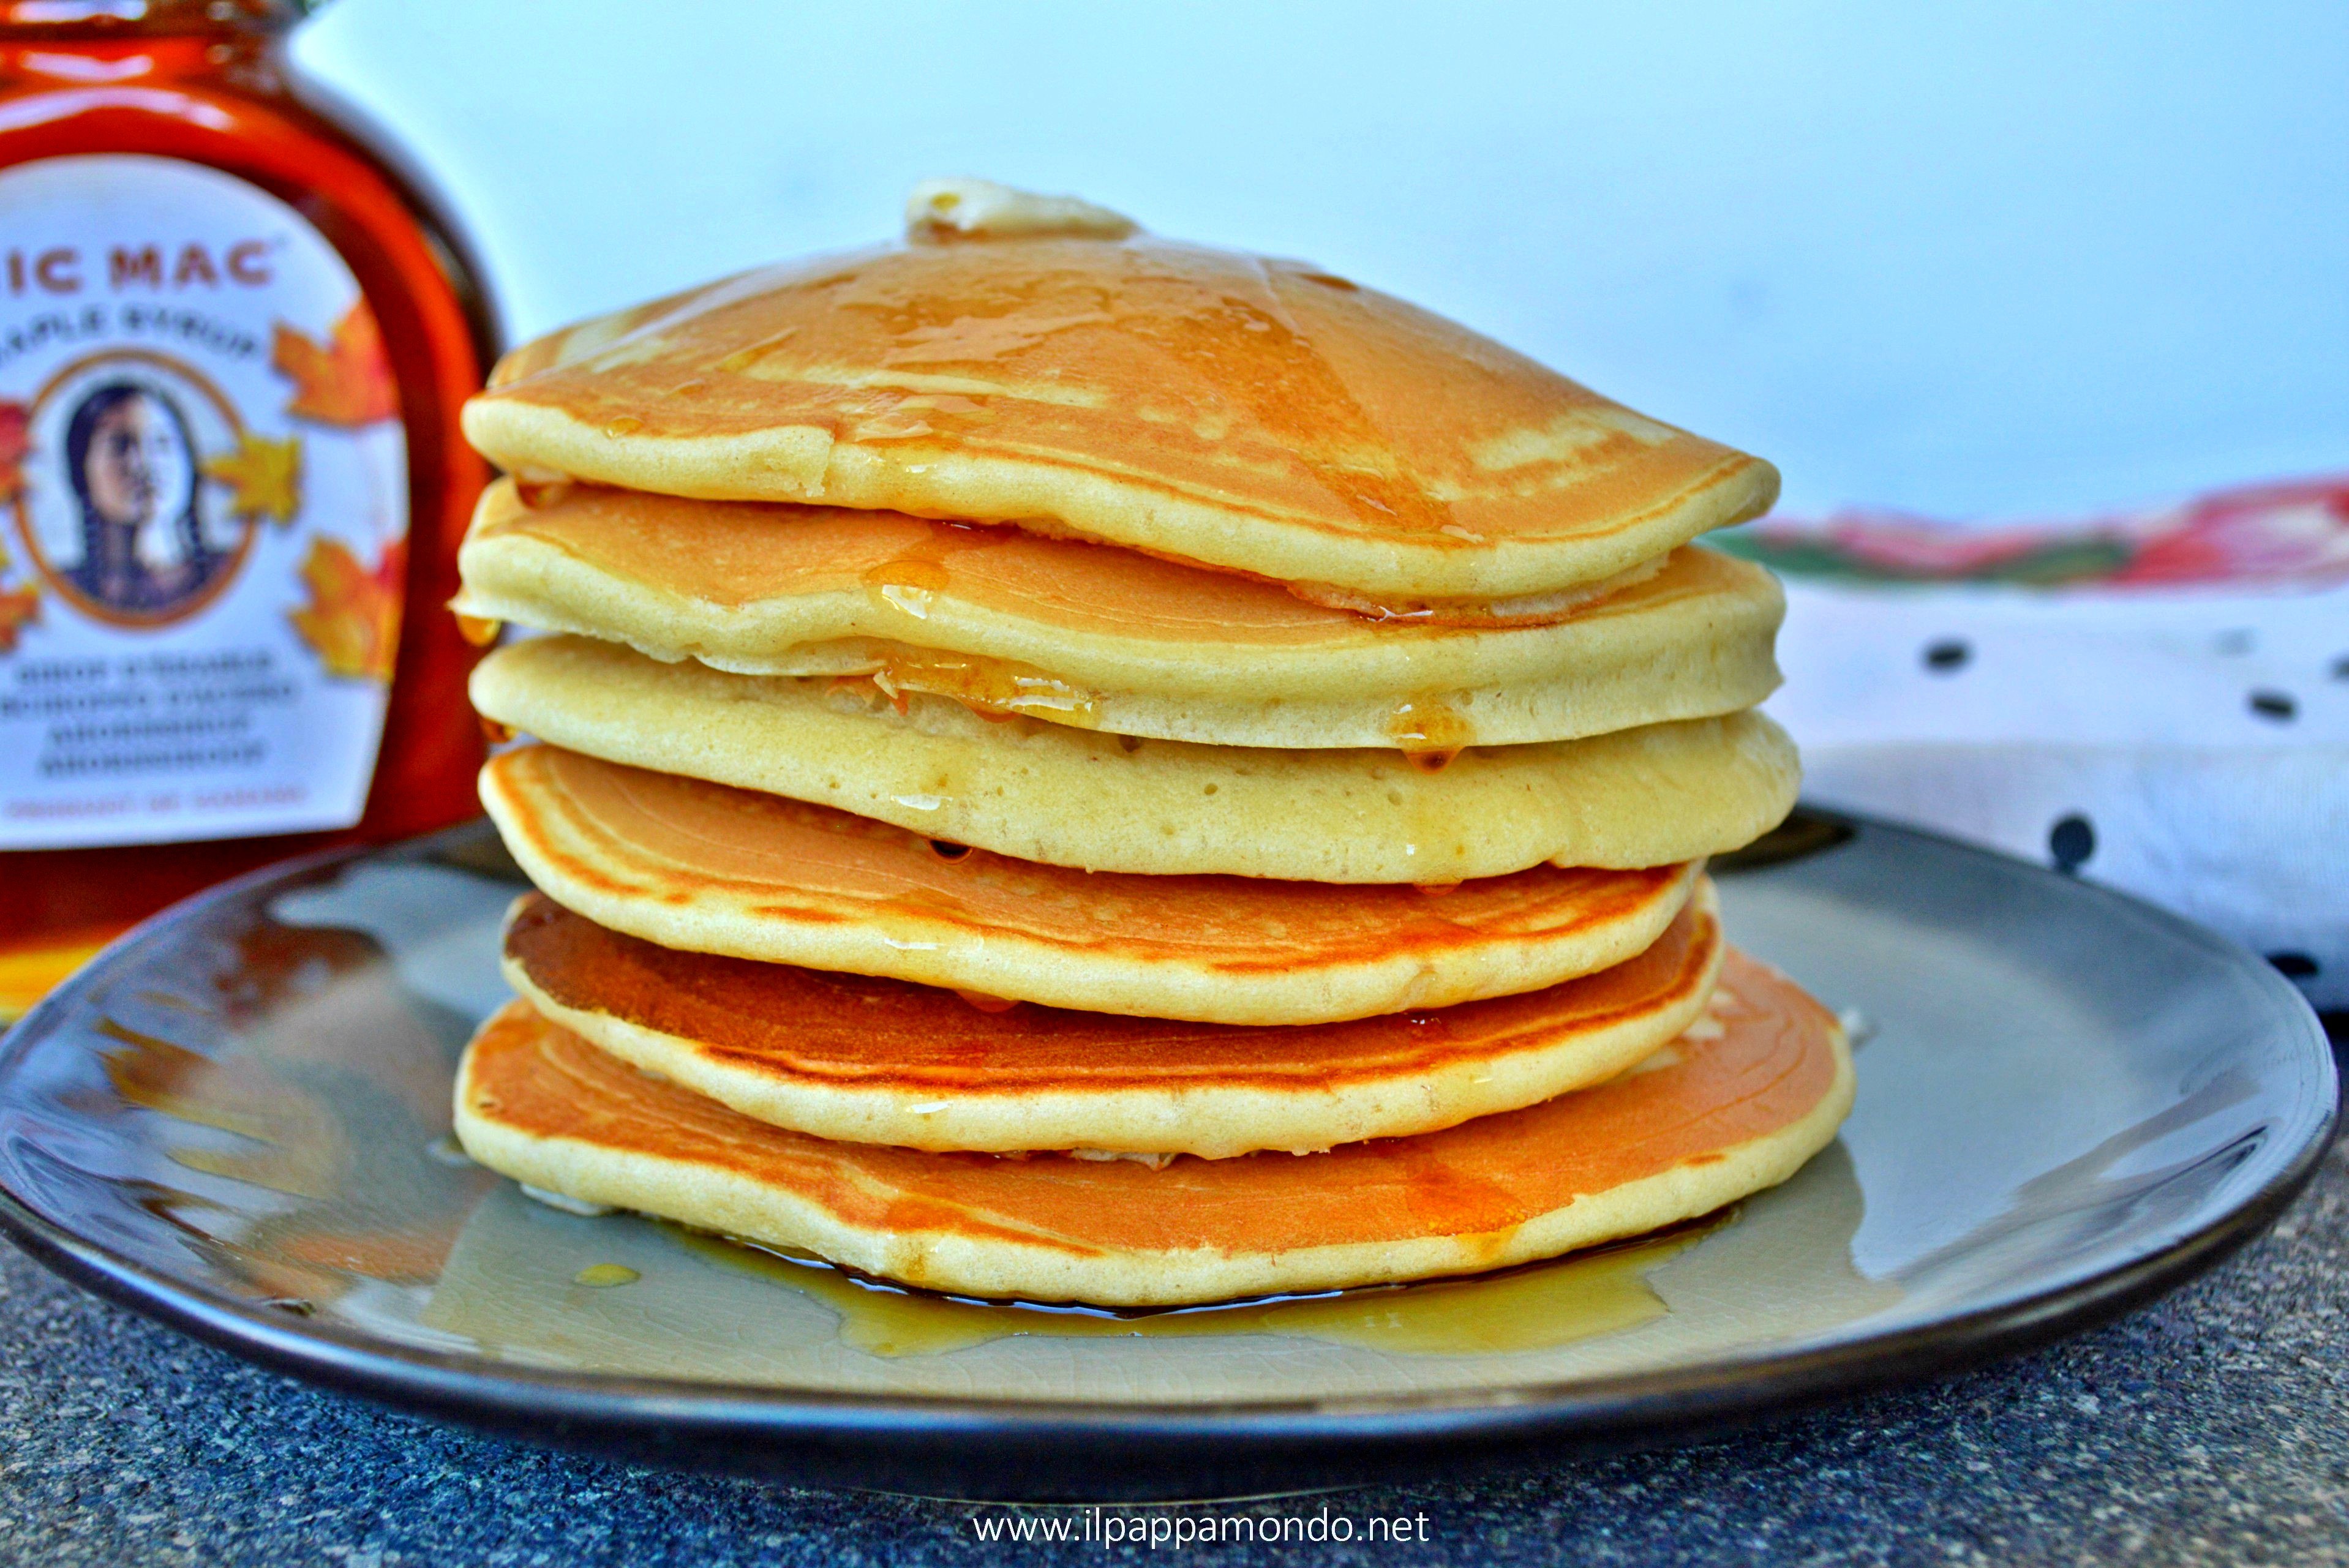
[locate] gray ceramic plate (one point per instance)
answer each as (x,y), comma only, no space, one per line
(237,1120)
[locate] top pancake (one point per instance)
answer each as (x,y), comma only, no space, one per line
(1253,414)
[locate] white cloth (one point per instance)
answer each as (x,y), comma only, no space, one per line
(2193,743)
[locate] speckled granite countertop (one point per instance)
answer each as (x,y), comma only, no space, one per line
(2211,1427)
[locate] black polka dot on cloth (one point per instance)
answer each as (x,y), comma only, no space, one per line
(2274,705)
(2341,668)
(2293,966)
(2071,841)
(1948,655)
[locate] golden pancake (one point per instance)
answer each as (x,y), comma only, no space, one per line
(706,867)
(1254,414)
(1105,638)
(1043,792)
(1706,1121)
(881,1061)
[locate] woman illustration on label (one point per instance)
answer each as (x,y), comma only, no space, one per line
(132,467)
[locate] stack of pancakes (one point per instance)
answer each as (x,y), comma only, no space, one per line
(1071,767)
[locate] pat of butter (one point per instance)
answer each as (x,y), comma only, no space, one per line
(980,209)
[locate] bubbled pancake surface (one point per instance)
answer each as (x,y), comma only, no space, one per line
(711,868)
(1708,1120)
(881,1061)
(1106,638)
(1253,414)
(1068,796)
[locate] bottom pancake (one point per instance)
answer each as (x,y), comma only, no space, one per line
(1735,1105)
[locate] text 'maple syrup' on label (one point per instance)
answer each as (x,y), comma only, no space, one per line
(203,511)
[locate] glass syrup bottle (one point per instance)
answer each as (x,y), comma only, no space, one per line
(234,339)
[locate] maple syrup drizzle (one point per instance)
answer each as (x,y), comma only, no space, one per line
(991,688)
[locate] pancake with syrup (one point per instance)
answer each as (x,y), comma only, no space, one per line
(1111,639)
(1045,792)
(706,867)
(1735,1105)
(1070,375)
(880,1061)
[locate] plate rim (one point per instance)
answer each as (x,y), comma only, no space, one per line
(1689,1400)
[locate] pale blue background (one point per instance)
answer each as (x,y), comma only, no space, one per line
(1972,259)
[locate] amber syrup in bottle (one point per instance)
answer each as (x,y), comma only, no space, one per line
(234,336)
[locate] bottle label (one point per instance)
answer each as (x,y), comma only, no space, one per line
(203,511)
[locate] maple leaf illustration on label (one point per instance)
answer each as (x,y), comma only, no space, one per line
(264,476)
(352,621)
(19,607)
(344,381)
(15,444)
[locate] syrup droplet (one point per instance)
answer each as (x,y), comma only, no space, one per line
(907,584)
(1437,889)
(495,733)
(621,425)
(1427,726)
(604,1277)
(948,851)
(986,1002)
(479,630)
(540,487)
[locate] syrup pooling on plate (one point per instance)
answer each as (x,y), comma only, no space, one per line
(1535,1306)
(298,1173)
